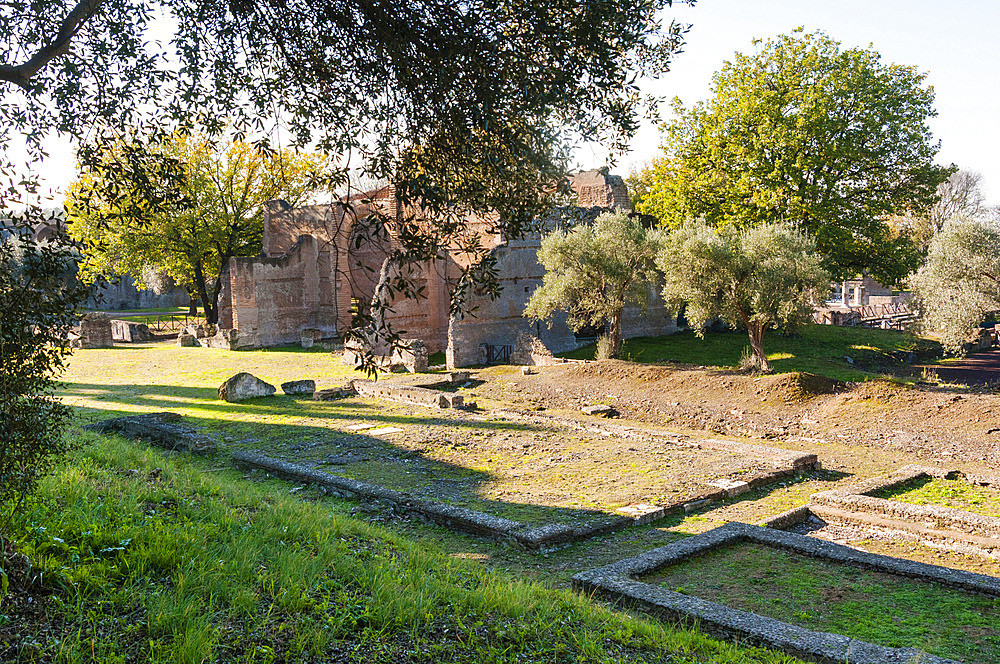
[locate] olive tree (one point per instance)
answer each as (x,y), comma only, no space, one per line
(594,270)
(959,283)
(755,278)
(37,296)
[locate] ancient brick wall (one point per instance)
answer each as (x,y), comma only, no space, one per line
(498,322)
(271,300)
(598,188)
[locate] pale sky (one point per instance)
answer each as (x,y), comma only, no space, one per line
(956,43)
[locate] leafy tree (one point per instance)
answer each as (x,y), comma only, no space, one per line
(806,131)
(959,284)
(594,271)
(215,213)
(756,277)
(961,194)
(37,298)
(499,88)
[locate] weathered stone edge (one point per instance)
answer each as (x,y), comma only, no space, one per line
(857,498)
(615,581)
(161,429)
(473,521)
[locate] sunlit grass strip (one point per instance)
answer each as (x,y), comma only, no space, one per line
(154,558)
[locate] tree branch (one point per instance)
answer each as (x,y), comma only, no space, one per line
(21,74)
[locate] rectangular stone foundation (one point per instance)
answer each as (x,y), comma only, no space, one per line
(618,582)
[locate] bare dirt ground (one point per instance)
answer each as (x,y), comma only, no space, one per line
(950,426)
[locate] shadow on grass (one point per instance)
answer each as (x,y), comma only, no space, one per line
(314,434)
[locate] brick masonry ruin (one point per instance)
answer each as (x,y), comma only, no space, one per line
(319,262)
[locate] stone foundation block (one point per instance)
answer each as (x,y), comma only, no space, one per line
(299,388)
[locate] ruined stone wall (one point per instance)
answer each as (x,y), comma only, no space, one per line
(271,300)
(498,322)
(598,188)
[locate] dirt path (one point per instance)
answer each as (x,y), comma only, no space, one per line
(978,369)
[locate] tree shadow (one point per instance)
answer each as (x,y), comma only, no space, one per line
(316,434)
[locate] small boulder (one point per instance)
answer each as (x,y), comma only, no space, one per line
(297,388)
(244,386)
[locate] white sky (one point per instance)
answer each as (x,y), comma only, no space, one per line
(956,43)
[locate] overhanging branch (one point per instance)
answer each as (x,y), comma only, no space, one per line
(21,74)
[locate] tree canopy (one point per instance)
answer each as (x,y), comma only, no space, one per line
(805,131)
(959,284)
(756,277)
(961,194)
(594,271)
(211,211)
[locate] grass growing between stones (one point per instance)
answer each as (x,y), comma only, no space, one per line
(821,349)
(144,556)
(832,597)
(956,493)
(520,471)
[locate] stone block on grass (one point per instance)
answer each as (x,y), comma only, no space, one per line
(297,388)
(601,410)
(186,340)
(244,386)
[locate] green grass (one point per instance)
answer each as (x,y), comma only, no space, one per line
(957,493)
(146,556)
(833,597)
(820,349)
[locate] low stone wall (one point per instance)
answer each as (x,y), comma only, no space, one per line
(418,396)
(161,429)
(856,506)
(618,582)
(789,459)
(458,518)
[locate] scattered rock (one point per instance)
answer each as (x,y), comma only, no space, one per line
(299,388)
(527,371)
(186,340)
(600,409)
(244,386)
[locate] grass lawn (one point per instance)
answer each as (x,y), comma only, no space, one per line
(146,556)
(832,597)
(957,494)
(820,349)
